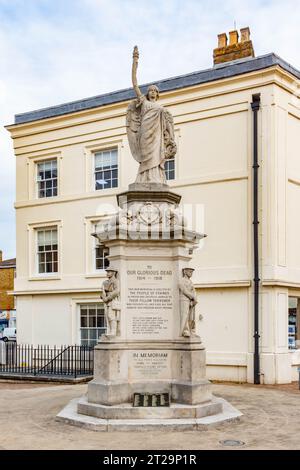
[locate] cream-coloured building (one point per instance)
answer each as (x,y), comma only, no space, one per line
(73,159)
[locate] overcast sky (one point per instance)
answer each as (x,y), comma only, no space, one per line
(54,51)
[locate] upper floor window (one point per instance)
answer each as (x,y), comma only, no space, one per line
(170,169)
(101,253)
(47,251)
(106,169)
(47,178)
(102,261)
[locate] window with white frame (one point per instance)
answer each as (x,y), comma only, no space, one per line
(101,254)
(92,323)
(106,169)
(170,169)
(47,178)
(294,323)
(47,250)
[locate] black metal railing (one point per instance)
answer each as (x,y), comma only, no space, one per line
(67,361)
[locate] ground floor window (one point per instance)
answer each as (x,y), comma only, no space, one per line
(3,324)
(92,323)
(294,323)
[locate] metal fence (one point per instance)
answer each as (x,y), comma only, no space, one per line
(67,361)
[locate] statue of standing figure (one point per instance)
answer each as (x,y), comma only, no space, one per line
(188,301)
(111,298)
(150,131)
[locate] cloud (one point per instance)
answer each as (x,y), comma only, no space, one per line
(54,51)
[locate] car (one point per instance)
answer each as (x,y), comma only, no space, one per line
(9,334)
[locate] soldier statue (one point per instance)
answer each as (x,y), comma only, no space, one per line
(111,298)
(188,301)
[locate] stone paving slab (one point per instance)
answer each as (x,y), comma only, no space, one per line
(271,420)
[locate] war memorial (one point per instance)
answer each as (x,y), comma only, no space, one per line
(150,366)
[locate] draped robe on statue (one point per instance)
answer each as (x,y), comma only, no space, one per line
(150,132)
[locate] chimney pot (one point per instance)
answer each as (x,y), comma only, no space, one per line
(245,34)
(233,37)
(222,40)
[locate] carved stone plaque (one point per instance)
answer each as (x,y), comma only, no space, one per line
(150,364)
(150,300)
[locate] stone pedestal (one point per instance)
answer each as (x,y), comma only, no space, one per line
(149,246)
(124,368)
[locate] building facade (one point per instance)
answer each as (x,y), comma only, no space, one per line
(7,300)
(73,159)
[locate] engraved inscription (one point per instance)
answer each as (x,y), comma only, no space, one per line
(149,300)
(149,325)
(150,364)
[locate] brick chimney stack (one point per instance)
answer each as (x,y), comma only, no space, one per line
(235,49)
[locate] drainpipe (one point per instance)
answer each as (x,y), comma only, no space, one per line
(255,105)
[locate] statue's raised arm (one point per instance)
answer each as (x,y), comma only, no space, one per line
(135,62)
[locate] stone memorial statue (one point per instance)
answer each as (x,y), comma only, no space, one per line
(151,355)
(111,298)
(188,301)
(150,131)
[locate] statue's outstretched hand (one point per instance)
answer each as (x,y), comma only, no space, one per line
(135,54)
